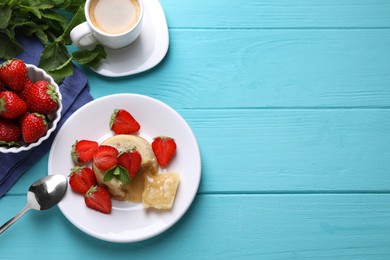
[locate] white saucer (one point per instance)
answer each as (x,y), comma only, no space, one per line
(146,52)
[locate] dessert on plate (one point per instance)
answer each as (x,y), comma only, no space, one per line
(149,166)
(126,166)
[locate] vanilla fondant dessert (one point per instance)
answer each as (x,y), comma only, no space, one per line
(149,166)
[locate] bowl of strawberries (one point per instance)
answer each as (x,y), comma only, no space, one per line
(30,106)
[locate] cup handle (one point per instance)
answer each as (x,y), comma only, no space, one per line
(82,36)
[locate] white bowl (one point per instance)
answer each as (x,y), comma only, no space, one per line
(35,74)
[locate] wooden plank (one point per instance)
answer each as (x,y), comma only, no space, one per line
(286,150)
(293,150)
(224,226)
(282,68)
(277,14)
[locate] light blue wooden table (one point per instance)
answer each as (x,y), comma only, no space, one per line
(290,104)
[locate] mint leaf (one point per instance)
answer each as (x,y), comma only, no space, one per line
(7,3)
(5,15)
(117,172)
(90,58)
(63,71)
(72,5)
(77,19)
(124,176)
(30,9)
(41,35)
(9,48)
(53,56)
(30,28)
(56,61)
(37,4)
(109,175)
(50,14)
(101,55)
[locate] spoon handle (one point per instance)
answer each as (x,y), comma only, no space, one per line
(13,220)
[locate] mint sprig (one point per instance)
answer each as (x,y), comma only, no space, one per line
(48,20)
(119,173)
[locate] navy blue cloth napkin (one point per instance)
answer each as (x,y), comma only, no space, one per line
(75,93)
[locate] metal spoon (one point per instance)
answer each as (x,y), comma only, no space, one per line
(42,194)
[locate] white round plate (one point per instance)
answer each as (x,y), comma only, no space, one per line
(128,222)
(146,52)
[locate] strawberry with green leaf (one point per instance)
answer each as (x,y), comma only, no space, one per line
(130,159)
(98,198)
(122,122)
(129,163)
(42,97)
(83,150)
(34,126)
(81,178)
(11,105)
(13,73)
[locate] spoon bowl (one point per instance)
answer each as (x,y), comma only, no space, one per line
(42,194)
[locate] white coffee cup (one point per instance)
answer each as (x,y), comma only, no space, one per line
(112,23)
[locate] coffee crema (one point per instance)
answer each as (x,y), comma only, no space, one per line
(114,16)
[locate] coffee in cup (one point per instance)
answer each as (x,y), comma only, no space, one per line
(114,16)
(112,23)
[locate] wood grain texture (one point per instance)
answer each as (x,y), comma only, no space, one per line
(277,14)
(293,150)
(254,226)
(255,69)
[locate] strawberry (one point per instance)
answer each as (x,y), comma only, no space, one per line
(13,73)
(98,198)
(34,126)
(42,98)
(10,132)
(131,160)
(164,149)
(83,150)
(11,105)
(23,93)
(122,122)
(81,178)
(105,157)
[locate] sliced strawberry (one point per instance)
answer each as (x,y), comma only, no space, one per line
(164,149)
(81,178)
(131,160)
(13,73)
(122,122)
(99,199)
(105,157)
(83,150)
(34,126)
